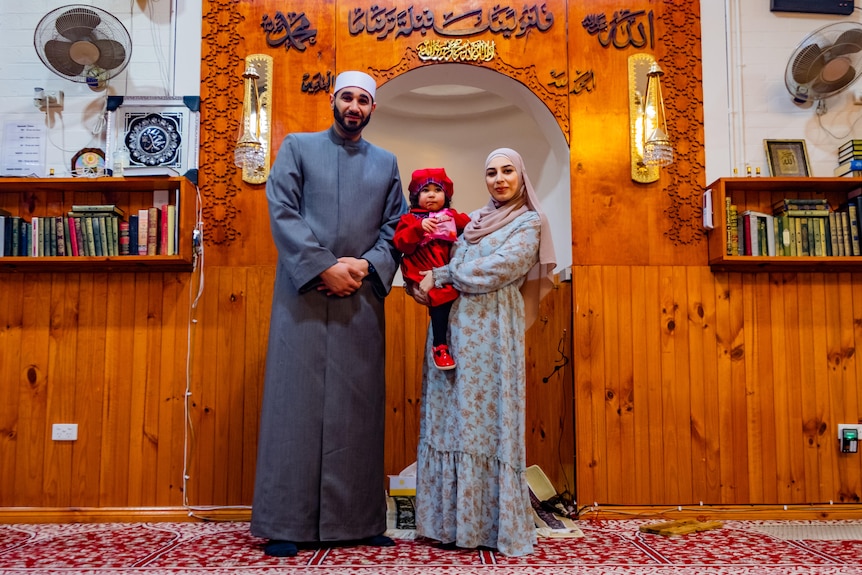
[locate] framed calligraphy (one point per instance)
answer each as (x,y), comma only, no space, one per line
(787,158)
(155,136)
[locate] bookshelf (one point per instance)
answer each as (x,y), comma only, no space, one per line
(759,194)
(43,197)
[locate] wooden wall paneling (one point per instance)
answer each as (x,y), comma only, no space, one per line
(625,400)
(416,327)
(396,313)
(205,443)
(670,408)
(117,401)
(818,351)
(16,449)
(61,403)
(139,377)
(844,396)
(851,370)
(724,405)
(739,396)
(229,411)
(656,470)
(752,393)
(682,378)
(32,483)
(764,395)
(220,383)
(152,402)
(549,426)
(258,303)
(813,417)
(640,393)
(783,433)
(173,349)
(707,312)
(589,395)
(698,366)
(788,371)
(78,335)
(610,383)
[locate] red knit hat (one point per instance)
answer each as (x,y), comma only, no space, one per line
(422,178)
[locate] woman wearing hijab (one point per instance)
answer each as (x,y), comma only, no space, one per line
(471,487)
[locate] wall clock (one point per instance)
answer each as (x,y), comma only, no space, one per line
(89,162)
(161,135)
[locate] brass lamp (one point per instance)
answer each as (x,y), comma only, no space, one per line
(657,149)
(251,153)
(650,144)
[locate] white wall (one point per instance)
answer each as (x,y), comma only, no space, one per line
(157,68)
(746,49)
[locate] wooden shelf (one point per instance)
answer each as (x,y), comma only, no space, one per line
(41,197)
(759,194)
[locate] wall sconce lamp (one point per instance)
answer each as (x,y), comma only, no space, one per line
(251,153)
(650,144)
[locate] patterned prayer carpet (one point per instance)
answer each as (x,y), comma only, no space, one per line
(608,547)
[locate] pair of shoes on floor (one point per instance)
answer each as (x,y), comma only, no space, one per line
(442,359)
(278,548)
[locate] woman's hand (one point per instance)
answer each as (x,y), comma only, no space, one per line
(427,281)
(414,291)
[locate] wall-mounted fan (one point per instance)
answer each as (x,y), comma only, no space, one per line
(826,62)
(83,44)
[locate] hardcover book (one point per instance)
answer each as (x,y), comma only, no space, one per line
(60,236)
(123,228)
(89,233)
(153,229)
(99,208)
(133,235)
(79,237)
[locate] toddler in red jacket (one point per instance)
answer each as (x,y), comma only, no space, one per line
(425,235)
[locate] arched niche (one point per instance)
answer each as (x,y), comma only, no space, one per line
(452,115)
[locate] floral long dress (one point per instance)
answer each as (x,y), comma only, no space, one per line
(471,487)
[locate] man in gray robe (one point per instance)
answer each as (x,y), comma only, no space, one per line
(334,201)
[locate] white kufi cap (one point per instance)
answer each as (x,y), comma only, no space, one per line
(356,79)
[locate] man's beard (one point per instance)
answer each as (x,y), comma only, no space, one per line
(348,129)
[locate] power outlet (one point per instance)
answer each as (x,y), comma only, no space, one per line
(64,432)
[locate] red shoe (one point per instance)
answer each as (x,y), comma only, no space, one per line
(442,359)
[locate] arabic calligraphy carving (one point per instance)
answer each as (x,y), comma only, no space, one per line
(456,50)
(382,21)
(620,31)
(317,83)
(291,31)
(584,81)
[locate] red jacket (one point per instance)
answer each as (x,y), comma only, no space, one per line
(423,254)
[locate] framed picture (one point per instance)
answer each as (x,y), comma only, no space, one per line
(153,136)
(787,158)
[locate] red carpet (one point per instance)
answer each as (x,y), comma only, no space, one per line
(607,548)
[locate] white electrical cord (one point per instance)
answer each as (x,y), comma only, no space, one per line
(189,432)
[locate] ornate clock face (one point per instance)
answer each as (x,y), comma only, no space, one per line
(153,140)
(88,162)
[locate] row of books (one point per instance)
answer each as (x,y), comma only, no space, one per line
(796,228)
(849,159)
(91,231)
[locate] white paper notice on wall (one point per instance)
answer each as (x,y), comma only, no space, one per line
(707,209)
(23,148)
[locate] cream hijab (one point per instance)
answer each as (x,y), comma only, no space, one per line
(492,217)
